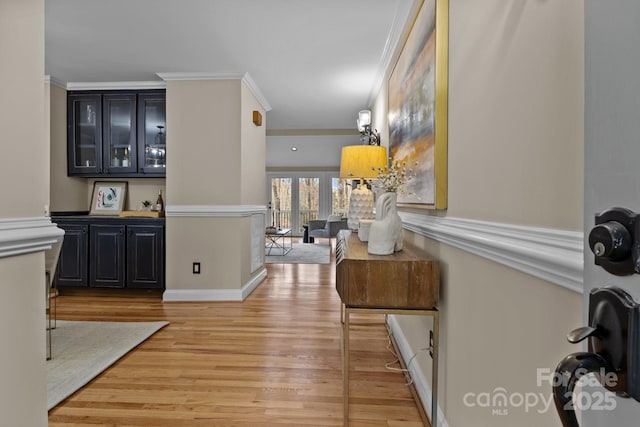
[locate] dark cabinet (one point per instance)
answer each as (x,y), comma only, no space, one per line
(152,148)
(145,246)
(111,253)
(106,256)
(119,133)
(72,265)
(116,133)
(84,134)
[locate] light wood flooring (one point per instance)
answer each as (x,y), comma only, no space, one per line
(272,360)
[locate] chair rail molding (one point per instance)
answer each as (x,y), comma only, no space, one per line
(229,211)
(19,236)
(549,254)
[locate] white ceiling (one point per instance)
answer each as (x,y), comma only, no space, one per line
(317,63)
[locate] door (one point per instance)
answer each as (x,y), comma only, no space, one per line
(612,149)
(72,264)
(119,133)
(145,257)
(84,134)
(106,262)
(152,133)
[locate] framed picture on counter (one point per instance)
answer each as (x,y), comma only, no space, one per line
(108,198)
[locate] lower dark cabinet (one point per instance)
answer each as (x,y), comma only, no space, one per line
(119,253)
(106,256)
(145,248)
(72,264)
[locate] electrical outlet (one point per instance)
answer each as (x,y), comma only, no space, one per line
(431,343)
(196,268)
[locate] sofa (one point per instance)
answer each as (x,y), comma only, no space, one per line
(327,228)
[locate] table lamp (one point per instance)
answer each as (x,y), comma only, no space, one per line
(361,162)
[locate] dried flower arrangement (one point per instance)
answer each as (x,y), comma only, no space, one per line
(392,178)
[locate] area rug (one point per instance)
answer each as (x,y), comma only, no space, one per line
(82,350)
(303,253)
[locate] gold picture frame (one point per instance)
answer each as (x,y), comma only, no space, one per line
(418,107)
(108,198)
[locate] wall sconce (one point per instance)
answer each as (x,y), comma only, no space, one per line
(257,118)
(370,137)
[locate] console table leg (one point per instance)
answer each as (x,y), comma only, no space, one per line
(345,367)
(434,368)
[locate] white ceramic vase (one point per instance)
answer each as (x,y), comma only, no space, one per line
(385,234)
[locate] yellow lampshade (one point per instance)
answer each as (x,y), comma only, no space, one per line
(362,161)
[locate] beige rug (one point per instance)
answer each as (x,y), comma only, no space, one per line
(302,253)
(82,350)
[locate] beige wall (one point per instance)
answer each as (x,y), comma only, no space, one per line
(67,193)
(253,151)
(515,156)
(24,148)
(217,160)
(24,193)
(214,243)
(204,142)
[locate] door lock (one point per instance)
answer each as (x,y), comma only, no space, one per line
(615,241)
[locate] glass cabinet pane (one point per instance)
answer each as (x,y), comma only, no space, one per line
(152,139)
(119,132)
(85,134)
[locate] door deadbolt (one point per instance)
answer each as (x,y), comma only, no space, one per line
(612,241)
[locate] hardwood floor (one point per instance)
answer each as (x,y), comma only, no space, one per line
(272,360)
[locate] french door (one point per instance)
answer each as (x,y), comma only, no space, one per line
(296,198)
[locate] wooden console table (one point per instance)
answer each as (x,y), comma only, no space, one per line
(406,282)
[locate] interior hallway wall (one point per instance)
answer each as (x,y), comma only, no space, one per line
(515,155)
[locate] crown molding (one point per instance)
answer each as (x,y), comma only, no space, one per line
(56,82)
(19,236)
(115,85)
(245,77)
(229,211)
(549,254)
(392,45)
(312,132)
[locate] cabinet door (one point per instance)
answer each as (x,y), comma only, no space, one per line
(84,134)
(119,133)
(72,264)
(152,142)
(107,261)
(145,257)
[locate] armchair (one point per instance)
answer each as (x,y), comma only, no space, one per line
(327,228)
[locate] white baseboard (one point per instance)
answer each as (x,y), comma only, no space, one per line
(423,387)
(215,294)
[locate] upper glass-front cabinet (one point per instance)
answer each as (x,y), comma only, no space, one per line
(117,133)
(84,129)
(152,135)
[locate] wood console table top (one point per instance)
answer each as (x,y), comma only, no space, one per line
(408,279)
(405,282)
